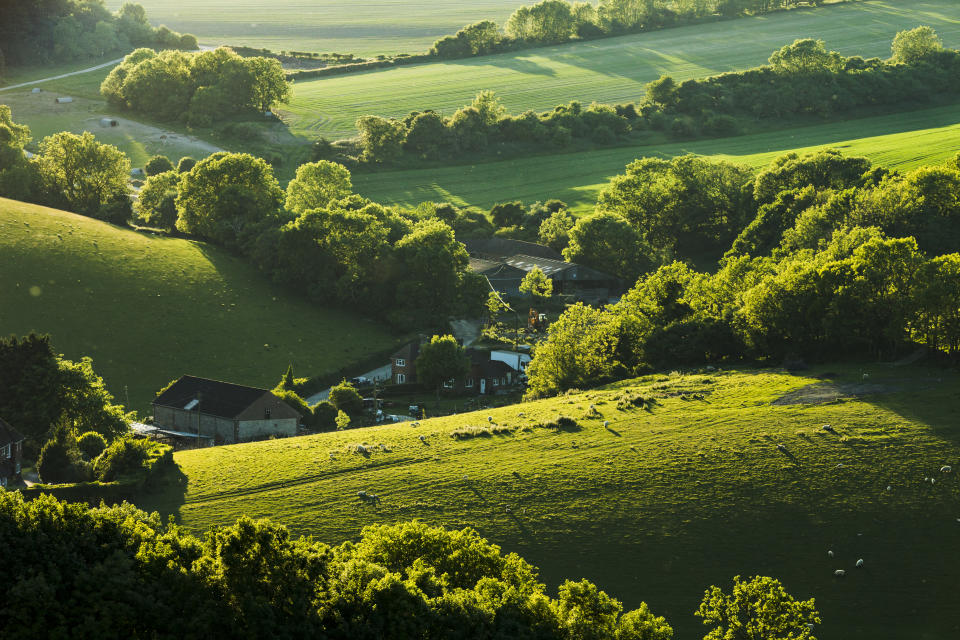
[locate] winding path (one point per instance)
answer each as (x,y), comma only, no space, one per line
(65,75)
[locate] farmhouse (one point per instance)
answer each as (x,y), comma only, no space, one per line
(488,372)
(505,263)
(11,454)
(223,412)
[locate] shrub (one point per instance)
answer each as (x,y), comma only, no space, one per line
(325,416)
(345,397)
(604,135)
(157,164)
(186,163)
(123,456)
(562,423)
(91,444)
(465,433)
(60,460)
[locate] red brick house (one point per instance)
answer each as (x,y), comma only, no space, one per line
(11,454)
(486,375)
(402,368)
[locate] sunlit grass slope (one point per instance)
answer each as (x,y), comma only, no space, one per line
(347,26)
(148,309)
(901,141)
(608,70)
(662,501)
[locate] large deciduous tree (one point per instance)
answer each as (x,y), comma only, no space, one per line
(316,184)
(915,45)
(757,608)
(82,175)
(224,193)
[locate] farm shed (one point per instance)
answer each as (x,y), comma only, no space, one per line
(223,411)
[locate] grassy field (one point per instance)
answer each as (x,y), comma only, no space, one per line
(363,28)
(148,309)
(664,502)
(608,70)
(902,141)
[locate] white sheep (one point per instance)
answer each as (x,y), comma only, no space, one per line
(839,573)
(606,424)
(946,469)
(830,553)
(889,488)
(933,481)
(422,437)
(860,563)
(361,494)
(361,449)
(840,465)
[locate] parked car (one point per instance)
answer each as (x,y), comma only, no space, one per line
(361,381)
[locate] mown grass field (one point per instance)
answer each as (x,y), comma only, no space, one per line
(362,28)
(902,141)
(665,501)
(608,70)
(148,309)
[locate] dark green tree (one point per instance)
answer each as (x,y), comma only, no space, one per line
(441,360)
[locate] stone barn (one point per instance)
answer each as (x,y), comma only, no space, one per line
(223,411)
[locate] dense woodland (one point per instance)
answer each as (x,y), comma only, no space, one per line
(53,31)
(802,80)
(826,257)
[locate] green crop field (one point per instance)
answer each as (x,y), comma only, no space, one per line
(608,70)
(902,141)
(148,309)
(362,28)
(665,500)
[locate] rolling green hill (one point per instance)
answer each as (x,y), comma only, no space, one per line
(902,141)
(662,501)
(362,28)
(607,70)
(148,309)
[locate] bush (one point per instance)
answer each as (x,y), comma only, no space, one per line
(157,164)
(91,444)
(325,416)
(186,163)
(604,135)
(465,433)
(722,125)
(562,423)
(60,460)
(345,397)
(123,456)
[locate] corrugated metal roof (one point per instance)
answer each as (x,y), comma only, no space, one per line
(527,263)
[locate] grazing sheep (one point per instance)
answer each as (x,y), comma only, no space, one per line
(422,437)
(840,465)
(889,488)
(361,494)
(860,563)
(946,469)
(521,415)
(361,449)
(933,481)
(414,424)
(827,427)
(781,447)
(830,553)
(489,418)
(383,447)
(839,573)
(606,424)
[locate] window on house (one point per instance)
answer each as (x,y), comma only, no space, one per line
(495,382)
(266,414)
(401,378)
(503,381)
(401,362)
(5,452)
(448,384)
(469,382)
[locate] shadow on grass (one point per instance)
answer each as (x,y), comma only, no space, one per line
(165,494)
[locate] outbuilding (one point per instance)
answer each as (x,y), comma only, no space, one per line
(225,412)
(11,454)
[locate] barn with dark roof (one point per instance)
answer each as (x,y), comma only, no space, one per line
(222,411)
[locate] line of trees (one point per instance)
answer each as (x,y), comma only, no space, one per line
(72,571)
(801,79)
(195,87)
(49,31)
(558,21)
(827,256)
(480,127)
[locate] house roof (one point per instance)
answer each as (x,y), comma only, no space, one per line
(497,248)
(8,434)
(221,399)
